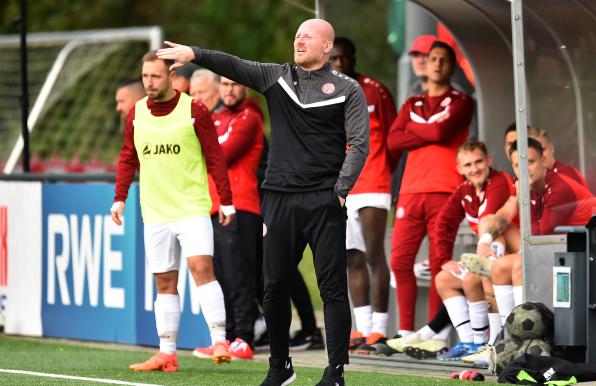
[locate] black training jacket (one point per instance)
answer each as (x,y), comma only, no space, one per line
(314,114)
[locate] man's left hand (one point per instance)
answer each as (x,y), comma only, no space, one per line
(226,215)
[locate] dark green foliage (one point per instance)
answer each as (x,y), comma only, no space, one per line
(255,29)
(260,30)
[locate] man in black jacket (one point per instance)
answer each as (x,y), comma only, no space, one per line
(315,112)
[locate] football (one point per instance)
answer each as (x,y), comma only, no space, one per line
(505,352)
(528,321)
(535,347)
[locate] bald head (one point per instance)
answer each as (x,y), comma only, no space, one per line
(324,28)
(313,44)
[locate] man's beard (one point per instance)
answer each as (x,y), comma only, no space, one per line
(159,95)
(310,60)
(234,104)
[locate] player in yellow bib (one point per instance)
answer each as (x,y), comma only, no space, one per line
(172,141)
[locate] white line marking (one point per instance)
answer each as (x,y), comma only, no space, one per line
(100,380)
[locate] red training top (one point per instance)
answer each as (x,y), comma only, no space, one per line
(240,135)
(465,203)
(562,201)
(206,134)
(570,171)
(432,145)
(375,177)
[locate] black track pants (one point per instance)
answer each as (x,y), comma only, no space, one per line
(293,220)
(235,264)
(303,304)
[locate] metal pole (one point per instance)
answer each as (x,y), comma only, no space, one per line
(320,9)
(521,119)
(24,87)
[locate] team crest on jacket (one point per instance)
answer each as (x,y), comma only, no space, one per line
(328,88)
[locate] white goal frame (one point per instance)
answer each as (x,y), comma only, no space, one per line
(72,40)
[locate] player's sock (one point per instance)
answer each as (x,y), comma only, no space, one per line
(404,333)
(213,308)
(504,299)
(518,295)
(457,307)
(444,333)
(167,321)
(479,320)
(363,316)
(379,322)
(440,320)
(494,323)
(426,333)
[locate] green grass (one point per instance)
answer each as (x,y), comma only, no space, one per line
(307,268)
(80,360)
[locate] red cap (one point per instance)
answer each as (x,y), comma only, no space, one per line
(422,44)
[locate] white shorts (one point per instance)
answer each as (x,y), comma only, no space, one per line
(355,202)
(166,242)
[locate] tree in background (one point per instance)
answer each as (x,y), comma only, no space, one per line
(253,29)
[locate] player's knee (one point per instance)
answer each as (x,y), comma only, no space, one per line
(356,261)
(375,246)
(376,258)
(401,268)
(201,267)
(273,284)
(166,285)
(331,294)
(501,270)
(517,272)
(471,283)
(442,281)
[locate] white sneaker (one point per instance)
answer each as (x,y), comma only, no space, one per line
(400,344)
(427,349)
(422,270)
(480,357)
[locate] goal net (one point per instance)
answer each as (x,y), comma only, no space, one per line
(72,81)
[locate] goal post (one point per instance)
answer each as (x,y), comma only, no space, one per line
(72,78)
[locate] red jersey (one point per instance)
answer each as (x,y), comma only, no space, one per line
(206,134)
(465,203)
(571,172)
(562,201)
(240,135)
(375,177)
(431,145)
(558,168)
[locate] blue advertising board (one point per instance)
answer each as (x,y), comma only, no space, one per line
(94,282)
